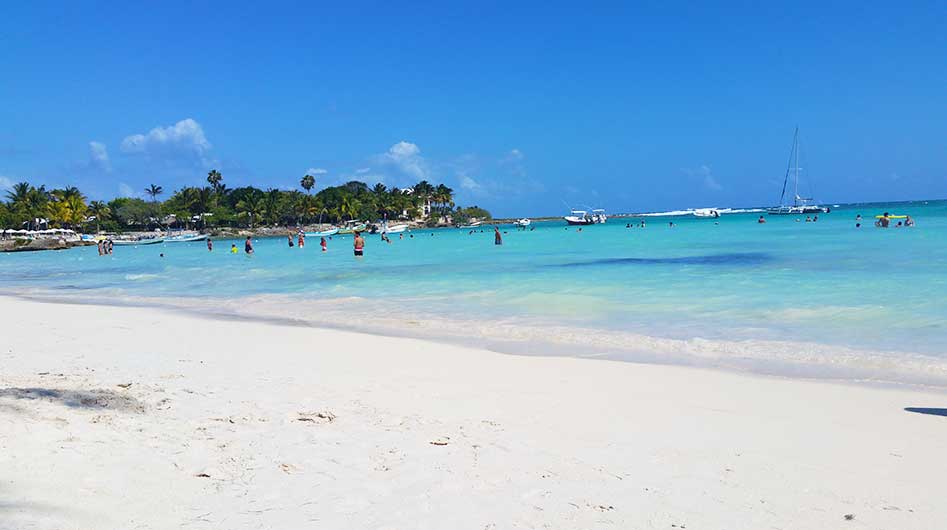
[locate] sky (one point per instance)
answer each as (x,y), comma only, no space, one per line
(524,108)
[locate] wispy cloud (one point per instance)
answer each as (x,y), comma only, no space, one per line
(6,183)
(315,171)
(124,190)
(99,157)
(468,183)
(705,174)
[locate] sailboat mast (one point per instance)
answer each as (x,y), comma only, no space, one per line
(795,148)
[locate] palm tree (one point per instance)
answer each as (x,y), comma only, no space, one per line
(101,211)
(154,191)
(251,206)
(348,207)
(214,177)
(19,194)
(307,182)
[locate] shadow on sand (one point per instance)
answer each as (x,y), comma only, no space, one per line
(85,399)
(922,410)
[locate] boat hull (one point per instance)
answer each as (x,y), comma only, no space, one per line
(124,243)
(797,210)
(324,233)
(186,239)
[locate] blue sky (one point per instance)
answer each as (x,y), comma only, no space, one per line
(520,108)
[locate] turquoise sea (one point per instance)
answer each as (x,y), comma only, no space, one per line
(822,299)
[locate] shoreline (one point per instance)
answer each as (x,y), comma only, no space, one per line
(208,423)
(823,362)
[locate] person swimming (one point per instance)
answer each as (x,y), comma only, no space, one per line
(233,248)
(210,244)
(359,244)
(908,221)
(761,220)
(248,245)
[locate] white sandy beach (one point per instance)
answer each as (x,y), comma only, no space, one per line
(132,418)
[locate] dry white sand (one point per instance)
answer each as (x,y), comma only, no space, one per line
(230,425)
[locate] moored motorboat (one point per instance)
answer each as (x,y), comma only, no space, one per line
(323,233)
(582,217)
(185,238)
(134,242)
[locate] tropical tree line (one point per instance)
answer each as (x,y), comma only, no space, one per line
(216,205)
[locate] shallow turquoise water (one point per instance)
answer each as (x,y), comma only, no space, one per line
(731,279)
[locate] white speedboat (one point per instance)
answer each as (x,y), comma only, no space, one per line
(133,242)
(394,229)
(475,224)
(185,238)
(707,212)
(523,222)
(582,217)
(800,205)
(323,233)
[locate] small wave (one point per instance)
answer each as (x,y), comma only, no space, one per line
(141,277)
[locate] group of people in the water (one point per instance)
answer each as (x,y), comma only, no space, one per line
(885,220)
(105,247)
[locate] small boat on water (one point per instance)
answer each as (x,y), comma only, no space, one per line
(475,224)
(351,228)
(707,212)
(323,233)
(524,222)
(582,217)
(142,241)
(800,205)
(185,238)
(394,229)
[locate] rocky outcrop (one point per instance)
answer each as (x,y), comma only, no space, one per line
(26,245)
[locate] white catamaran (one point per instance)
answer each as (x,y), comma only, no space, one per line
(799,204)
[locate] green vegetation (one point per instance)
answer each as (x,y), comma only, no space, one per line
(215,205)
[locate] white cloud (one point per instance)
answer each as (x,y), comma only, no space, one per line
(6,183)
(706,175)
(183,140)
(315,171)
(514,155)
(124,190)
(406,156)
(468,183)
(362,170)
(99,156)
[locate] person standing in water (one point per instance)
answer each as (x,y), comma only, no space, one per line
(323,244)
(210,245)
(497,236)
(248,245)
(359,244)
(101,246)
